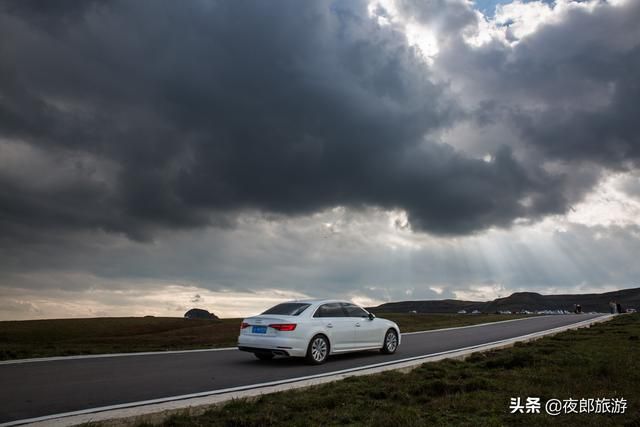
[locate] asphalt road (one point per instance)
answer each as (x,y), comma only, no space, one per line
(34,389)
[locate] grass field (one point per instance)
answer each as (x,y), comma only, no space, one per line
(42,338)
(599,362)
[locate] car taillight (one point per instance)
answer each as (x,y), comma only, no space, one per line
(283,326)
(244,325)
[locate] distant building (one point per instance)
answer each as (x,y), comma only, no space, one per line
(198,313)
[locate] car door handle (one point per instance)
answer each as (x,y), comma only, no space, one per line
(329,325)
(357,325)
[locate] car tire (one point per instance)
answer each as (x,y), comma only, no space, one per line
(264,356)
(318,350)
(390,343)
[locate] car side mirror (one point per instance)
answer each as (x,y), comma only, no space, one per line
(372,316)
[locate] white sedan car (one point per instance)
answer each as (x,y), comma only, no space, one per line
(314,329)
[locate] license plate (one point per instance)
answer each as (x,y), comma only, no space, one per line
(259,329)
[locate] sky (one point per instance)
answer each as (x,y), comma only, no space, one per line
(157,156)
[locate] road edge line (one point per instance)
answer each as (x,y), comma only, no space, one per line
(479,324)
(107,355)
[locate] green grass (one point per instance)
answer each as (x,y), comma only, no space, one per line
(602,361)
(64,337)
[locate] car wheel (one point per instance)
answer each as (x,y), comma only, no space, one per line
(318,350)
(390,344)
(264,356)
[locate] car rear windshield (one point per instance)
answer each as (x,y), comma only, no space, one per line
(288,309)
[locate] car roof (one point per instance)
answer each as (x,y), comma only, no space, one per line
(317,301)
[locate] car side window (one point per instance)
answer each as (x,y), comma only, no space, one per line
(354,311)
(330,310)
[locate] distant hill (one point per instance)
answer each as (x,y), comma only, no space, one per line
(518,301)
(429,306)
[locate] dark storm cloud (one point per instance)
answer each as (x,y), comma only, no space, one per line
(605,59)
(571,88)
(207,108)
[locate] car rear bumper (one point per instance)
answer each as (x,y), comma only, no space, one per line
(277,345)
(277,352)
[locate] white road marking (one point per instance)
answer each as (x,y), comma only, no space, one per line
(474,326)
(97,356)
